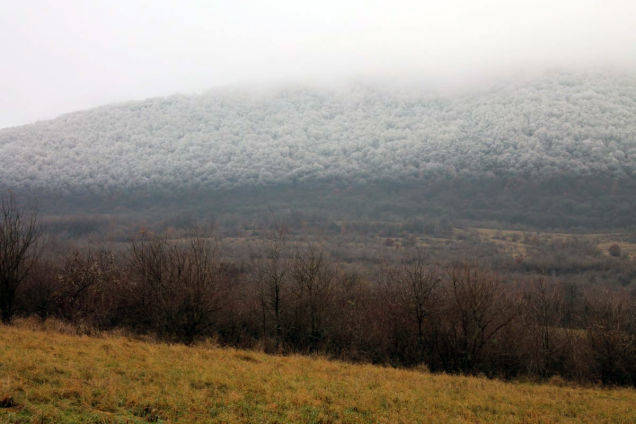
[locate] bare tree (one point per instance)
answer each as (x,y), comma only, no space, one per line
(420,281)
(612,341)
(178,288)
(271,276)
(393,315)
(87,282)
(478,310)
(149,259)
(409,289)
(543,310)
(18,253)
(313,279)
(200,288)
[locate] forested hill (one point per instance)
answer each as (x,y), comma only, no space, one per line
(557,126)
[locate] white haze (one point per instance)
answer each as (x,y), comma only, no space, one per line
(59,56)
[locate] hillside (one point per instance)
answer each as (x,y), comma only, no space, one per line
(558,145)
(52,377)
(568,124)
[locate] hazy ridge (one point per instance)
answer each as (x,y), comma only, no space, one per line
(560,124)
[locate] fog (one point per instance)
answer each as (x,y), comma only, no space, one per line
(59,56)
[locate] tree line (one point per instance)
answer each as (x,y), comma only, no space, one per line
(457,317)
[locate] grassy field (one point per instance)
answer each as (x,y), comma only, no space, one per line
(514,241)
(48,376)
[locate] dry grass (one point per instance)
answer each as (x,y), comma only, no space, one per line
(64,378)
(512,240)
(626,247)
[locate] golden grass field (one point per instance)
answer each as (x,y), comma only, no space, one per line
(512,240)
(50,377)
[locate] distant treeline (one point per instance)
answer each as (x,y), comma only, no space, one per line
(592,202)
(457,318)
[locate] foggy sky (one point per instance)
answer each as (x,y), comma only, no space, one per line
(59,56)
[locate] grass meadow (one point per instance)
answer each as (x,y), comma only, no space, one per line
(48,375)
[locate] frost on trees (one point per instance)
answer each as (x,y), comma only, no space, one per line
(558,124)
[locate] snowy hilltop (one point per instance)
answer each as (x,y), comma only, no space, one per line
(556,124)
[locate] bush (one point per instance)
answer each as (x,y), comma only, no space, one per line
(614,250)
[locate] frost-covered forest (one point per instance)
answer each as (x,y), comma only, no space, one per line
(558,149)
(556,125)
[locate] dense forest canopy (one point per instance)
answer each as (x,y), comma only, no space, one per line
(552,151)
(557,125)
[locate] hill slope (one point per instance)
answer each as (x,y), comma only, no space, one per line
(52,377)
(560,124)
(561,141)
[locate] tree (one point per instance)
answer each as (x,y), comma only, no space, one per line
(313,279)
(543,310)
(420,281)
(479,309)
(271,275)
(614,250)
(611,337)
(179,288)
(87,285)
(18,253)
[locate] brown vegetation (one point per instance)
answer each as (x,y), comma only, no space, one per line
(457,318)
(18,235)
(453,317)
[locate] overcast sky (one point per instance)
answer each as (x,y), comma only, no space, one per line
(59,56)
